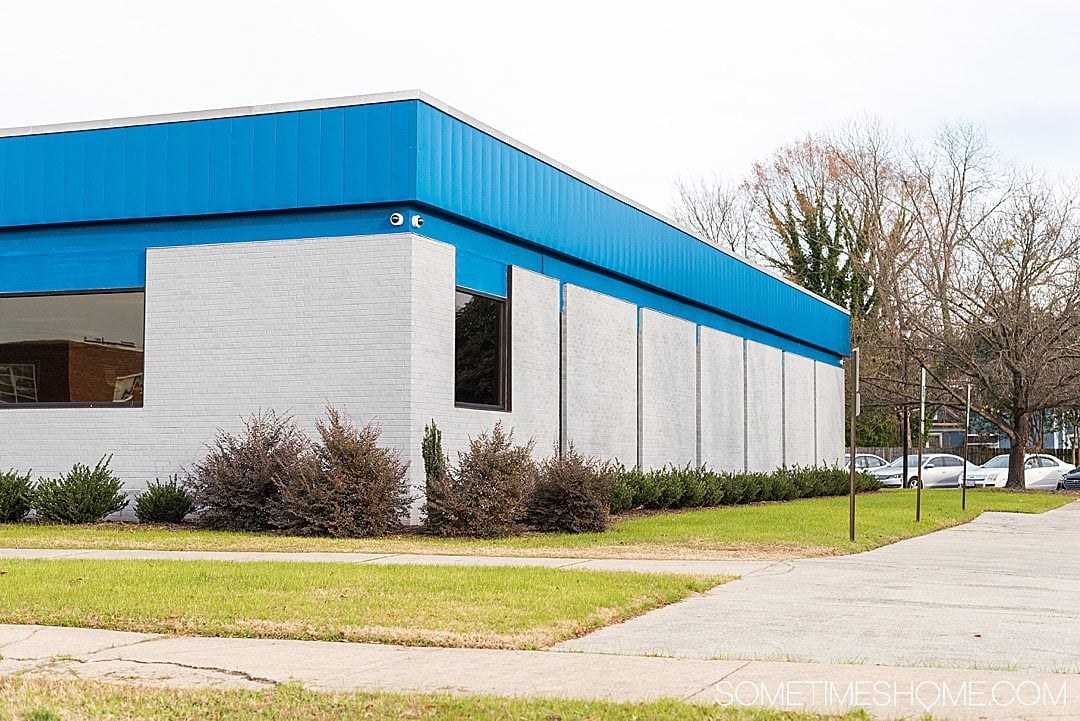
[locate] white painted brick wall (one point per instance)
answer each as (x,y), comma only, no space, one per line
(830,412)
(764,407)
(367,323)
(799,412)
(600,375)
(668,360)
(722,401)
(534,357)
(233,328)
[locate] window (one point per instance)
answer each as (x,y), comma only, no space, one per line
(480,352)
(72,348)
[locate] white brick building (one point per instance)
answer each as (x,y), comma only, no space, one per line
(390,256)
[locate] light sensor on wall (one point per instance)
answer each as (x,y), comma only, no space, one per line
(396,219)
(417,221)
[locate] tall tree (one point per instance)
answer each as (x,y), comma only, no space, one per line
(817,242)
(1006,318)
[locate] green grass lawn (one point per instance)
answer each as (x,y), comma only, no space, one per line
(813,527)
(493,607)
(27,699)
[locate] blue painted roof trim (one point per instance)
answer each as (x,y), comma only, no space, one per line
(113,255)
(369,155)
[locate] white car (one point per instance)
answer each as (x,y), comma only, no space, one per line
(1040,472)
(864,461)
(939,470)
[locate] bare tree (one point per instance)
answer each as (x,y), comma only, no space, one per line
(873,178)
(966,267)
(720,212)
(1009,320)
(950,192)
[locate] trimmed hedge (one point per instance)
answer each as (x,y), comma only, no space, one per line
(163,502)
(16,495)
(82,495)
(690,487)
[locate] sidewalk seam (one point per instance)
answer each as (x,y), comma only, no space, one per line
(713,683)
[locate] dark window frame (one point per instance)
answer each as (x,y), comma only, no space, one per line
(504,355)
(95,404)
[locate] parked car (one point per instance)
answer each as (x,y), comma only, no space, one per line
(1040,472)
(864,461)
(1071,480)
(939,470)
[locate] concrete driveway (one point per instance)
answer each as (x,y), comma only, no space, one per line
(1002,592)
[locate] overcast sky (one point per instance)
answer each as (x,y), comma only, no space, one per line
(632,94)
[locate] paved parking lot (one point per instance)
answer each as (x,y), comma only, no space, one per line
(1002,592)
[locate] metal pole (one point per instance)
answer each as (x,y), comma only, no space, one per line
(907,428)
(922,429)
(851,465)
(907,443)
(967,427)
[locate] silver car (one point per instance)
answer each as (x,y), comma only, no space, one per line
(1040,472)
(939,470)
(864,461)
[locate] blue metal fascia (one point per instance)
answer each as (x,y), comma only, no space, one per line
(113,255)
(478,177)
(283,161)
(234,170)
(483,257)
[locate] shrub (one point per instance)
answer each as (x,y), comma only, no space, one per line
(436,476)
(622,490)
(236,485)
(82,495)
(16,492)
(690,487)
(485,494)
(571,494)
(354,488)
(166,502)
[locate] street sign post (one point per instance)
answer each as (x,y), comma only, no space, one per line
(922,431)
(856,402)
(967,430)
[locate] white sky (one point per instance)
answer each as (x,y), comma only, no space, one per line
(632,94)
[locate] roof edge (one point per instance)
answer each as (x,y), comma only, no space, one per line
(390,97)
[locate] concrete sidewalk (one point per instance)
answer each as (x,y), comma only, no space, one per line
(887,692)
(727,568)
(1000,592)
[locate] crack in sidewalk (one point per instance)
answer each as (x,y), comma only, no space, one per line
(712,684)
(29,636)
(53,665)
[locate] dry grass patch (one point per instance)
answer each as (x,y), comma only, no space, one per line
(24,699)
